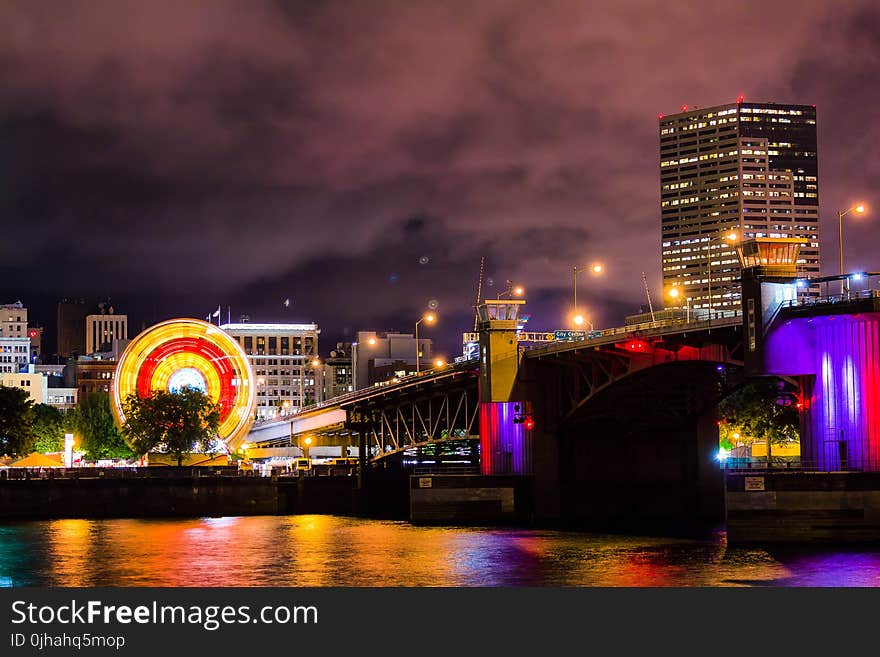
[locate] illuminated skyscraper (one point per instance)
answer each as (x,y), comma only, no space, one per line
(727,173)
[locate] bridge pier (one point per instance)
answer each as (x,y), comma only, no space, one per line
(641,455)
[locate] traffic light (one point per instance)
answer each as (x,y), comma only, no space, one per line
(523,418)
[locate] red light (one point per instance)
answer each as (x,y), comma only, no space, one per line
(660,115)
(684,108)
(636,345)
(33,334)
(800,406)
(529,423)
(740,98)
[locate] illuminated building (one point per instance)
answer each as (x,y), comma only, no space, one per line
(336,372)
(89,374)
(13,320)
(281,356)
(105,327)
(727,173)
(189,353)
(14,354)
(34,384)
(380,357)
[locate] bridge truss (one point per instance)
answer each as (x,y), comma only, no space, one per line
(435,410)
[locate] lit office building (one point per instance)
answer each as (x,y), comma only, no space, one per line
(284,358)
(729,173)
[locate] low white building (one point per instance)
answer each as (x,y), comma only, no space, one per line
(64,399)
(14,354)
(36,385)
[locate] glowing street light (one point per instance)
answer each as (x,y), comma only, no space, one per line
(675,294)
(730,237)
(580,320)
(595,269)
(512,290)
(859,208)
(428,318)
(439,362)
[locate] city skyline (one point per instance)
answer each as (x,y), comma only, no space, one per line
(175,168)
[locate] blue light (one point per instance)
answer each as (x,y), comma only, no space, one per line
(801,283)
(856,277)
(722,454)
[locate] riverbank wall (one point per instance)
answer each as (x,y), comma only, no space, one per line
(802,507)
(170,492)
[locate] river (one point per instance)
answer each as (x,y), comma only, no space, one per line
(320,550)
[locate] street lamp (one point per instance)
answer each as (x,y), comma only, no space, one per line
(731,237)
(580,320)
(858,209)
(674,293)
(512,290)
(428,318)
(439,362)
(595,268)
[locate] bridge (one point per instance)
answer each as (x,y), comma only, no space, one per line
(623,423)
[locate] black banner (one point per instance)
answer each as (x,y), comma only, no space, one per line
(383,621)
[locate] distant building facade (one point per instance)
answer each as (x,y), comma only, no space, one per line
(71,327)
(337,377)
(381,357)
(13,320)
(14,354)
(103,328)
(64,399)
(35,335)
(285,359)
(34,384)
(89,375)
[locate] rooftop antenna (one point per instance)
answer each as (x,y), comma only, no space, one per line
(648,294)
(479,292)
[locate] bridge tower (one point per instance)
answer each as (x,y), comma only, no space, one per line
(769,280)
(505,441)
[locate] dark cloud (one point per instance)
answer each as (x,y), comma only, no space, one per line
(179,155)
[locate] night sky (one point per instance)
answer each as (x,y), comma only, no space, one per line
(358,158)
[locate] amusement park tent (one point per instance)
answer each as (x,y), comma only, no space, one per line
(37,460)
(189,460)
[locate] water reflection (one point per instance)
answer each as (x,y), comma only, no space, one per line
(335,551)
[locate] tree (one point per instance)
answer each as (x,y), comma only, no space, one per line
(49,427)
(761,410)
(16,422)
(95,429)
(174,422)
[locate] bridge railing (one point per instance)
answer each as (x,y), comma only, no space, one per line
(846,297)
(659,326)
(795,464)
